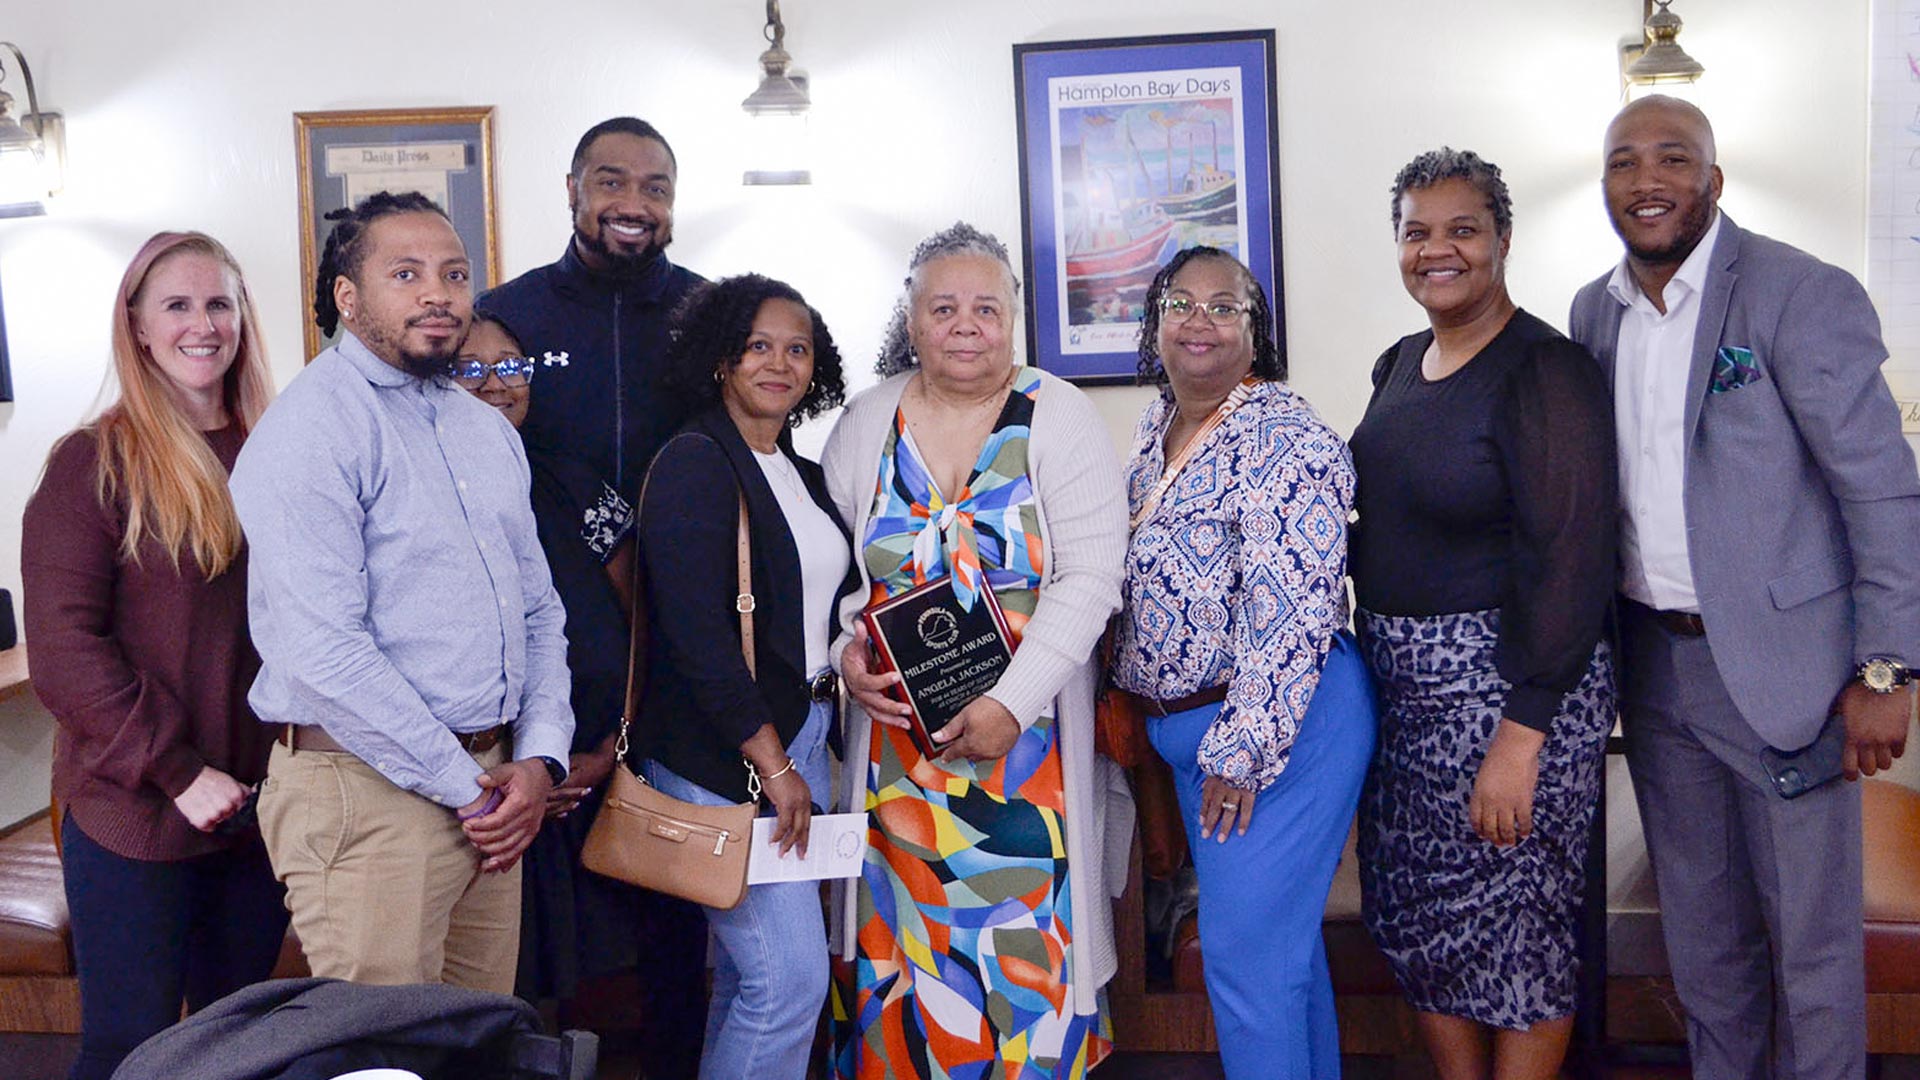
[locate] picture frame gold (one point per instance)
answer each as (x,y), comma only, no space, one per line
(445,153)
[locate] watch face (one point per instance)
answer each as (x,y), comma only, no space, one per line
(1882,676)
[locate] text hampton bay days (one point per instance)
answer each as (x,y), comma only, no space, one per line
(1159,86)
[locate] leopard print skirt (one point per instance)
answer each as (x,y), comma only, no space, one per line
(1473,930)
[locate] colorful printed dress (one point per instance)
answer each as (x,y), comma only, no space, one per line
(964,913)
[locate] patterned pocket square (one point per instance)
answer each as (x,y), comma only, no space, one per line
(1733,368)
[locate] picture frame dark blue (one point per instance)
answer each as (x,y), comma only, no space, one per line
(1130,150)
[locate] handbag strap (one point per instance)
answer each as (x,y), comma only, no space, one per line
(1234,399)
(743,603)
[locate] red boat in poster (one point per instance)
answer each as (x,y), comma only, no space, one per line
(1128,248)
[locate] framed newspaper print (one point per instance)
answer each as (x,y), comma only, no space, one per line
(445,154)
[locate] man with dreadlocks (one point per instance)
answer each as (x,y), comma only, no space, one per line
(595,323)
(379,498)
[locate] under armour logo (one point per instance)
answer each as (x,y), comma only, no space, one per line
(553,359)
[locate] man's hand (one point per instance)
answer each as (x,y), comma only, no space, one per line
(983,731)
(1501,808)
(1876,727)
(585,771)
(869,687)
(504,833)
(211,799)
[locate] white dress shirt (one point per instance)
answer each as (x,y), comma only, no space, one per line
(1651,360)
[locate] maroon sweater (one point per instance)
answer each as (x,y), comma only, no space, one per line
(145,667)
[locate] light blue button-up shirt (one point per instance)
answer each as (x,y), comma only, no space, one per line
(396,588)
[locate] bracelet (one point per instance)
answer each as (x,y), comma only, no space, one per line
(488,807)
(781,773)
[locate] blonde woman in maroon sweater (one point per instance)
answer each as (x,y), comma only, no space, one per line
(135,609)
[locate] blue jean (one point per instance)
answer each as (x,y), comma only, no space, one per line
(1262,895)
(147,934)
(770,955)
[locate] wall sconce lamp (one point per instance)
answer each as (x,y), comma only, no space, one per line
(1660,59)
(32,148)
(779,111)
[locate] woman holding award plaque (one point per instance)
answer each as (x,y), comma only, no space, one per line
(759,360)
(1234,636)
(981,932)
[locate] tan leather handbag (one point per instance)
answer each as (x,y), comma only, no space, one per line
(645,837)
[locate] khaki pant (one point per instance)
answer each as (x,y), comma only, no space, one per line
(383,885)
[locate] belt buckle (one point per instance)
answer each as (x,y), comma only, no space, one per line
(823,686)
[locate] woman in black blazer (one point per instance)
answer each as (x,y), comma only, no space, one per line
(759,360)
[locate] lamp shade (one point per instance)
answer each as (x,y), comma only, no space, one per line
(1663,60)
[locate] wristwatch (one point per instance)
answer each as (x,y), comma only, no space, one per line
(559,771)
(1883,674)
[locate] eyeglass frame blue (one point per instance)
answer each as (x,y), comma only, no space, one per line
(527,363)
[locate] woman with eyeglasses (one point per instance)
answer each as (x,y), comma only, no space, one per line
(573,924)
(491,365)
(1234,638)
(1483,564)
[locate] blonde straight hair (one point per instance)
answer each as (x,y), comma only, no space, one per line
(151,454)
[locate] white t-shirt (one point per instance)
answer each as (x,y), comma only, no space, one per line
(823,552)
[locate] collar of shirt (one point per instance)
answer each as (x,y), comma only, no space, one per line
(1691,277)
(375,370)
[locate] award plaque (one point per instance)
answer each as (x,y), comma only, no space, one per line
(946,655)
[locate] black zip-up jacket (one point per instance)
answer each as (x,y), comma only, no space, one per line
(598,414)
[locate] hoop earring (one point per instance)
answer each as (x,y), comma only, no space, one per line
(719,376)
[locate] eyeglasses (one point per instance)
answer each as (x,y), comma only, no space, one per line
(472,374)
(1219,313)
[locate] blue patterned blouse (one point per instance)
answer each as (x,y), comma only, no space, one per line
(1239,575)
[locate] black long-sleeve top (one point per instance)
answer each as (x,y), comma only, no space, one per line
(700,703)
(1494,487)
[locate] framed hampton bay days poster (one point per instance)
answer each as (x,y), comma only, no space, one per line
(445,154)
(1130,150)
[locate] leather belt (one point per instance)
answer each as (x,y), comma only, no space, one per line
(298,737)
(1170,706)
(825,686)
(1677,623)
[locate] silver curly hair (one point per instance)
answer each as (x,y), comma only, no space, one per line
(960,238)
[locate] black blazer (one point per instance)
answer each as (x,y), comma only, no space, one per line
(700,703)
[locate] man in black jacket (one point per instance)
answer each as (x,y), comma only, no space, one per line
(595,323)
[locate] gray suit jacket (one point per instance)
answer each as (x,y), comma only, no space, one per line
(1802,501)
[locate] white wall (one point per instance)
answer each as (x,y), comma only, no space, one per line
(180,116)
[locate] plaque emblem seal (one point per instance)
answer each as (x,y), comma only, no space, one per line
(937,628)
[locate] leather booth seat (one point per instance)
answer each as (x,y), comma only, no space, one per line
(34,939)
(38,992)
(1891,834)
(1355,963)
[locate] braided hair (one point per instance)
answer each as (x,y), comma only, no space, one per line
(1269,356)
(346,248)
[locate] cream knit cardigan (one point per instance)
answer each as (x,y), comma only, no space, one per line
(1083,537)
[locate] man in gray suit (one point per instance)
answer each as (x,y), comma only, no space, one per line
(1770,578)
